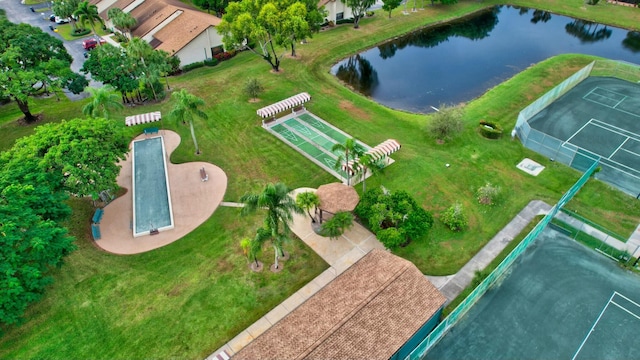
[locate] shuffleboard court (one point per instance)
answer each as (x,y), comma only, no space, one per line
(150,189)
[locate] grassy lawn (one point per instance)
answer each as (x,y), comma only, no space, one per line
(187,299)
(65,31)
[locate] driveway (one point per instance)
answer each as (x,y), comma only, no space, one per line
(20,13)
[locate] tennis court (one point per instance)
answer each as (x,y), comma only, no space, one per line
(152,210)
(313,138)
(560,301)
(599,118)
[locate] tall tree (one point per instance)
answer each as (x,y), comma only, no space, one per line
(185,108)
(307,200)
(29,247)
(280,207)
(65,10)
(262,26)
(217,6)
(348,152)
(112,66)
(359,9)
(102,101)
(390,5)
(122,20)
(30,59)
(139,50)
(88,13)
(368,164)
(80,155)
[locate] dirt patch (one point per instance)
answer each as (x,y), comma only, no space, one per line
(253,101)
(224,266)
(177,290)
(24,122)
(356,111)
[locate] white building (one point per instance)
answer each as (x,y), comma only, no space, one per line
(336,10)
(170,25)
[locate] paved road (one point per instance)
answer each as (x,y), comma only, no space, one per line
(19,13)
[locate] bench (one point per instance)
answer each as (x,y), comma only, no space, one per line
(95,231)
(97,216)
(150,131)
(203,175)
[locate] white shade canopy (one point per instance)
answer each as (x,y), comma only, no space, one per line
(283,105)
(382,150)
(143,118)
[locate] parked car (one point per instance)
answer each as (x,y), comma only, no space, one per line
(60,20)
(92,43)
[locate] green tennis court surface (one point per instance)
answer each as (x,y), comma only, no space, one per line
(314,138)
(556,303)
(599,118)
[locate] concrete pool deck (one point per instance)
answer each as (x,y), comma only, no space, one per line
(193,201)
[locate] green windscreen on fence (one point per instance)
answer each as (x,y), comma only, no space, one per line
(469,301)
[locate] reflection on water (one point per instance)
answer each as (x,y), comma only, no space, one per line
(459,61)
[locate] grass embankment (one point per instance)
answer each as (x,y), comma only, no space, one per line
(187,299)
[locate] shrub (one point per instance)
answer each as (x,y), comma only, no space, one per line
(192,66)
(253,88)
(345,21)
(446,122)
(391,238)
(488,194)
(210,62)
(398,210)
(591,2)
(224,55)
(454,217)
(121,38)
(370,13)
(337,225)
(490,130)
(80,32)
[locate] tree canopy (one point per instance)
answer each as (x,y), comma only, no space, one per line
(359,8)
(81,155)
(36,177)
(30,61)
(262,26)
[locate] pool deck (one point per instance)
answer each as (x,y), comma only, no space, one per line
(193,201)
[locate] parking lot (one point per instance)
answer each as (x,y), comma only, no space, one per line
(20,13)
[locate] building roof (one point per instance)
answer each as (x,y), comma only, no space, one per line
(186,23)
(368,312)
(182,30)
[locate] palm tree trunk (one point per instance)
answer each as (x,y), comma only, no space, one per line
(275,248)
(193,135)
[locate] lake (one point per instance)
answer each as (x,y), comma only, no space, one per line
(459,61)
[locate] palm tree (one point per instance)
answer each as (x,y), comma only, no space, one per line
(280,208)
(103,100)
(122,20)
(88,13)
(184,109)
(306,201)
(349,151)
(367,163)
(140,49)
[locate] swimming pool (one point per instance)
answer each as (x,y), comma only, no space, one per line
(152,210)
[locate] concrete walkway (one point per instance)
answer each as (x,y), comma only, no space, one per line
(358,241)
(451,286)
(340,254)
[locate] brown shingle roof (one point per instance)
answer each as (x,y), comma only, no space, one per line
(368,312)
(184,29)
(176,34)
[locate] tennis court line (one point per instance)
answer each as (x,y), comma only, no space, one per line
(609,302)
(613,129)
(585,98)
